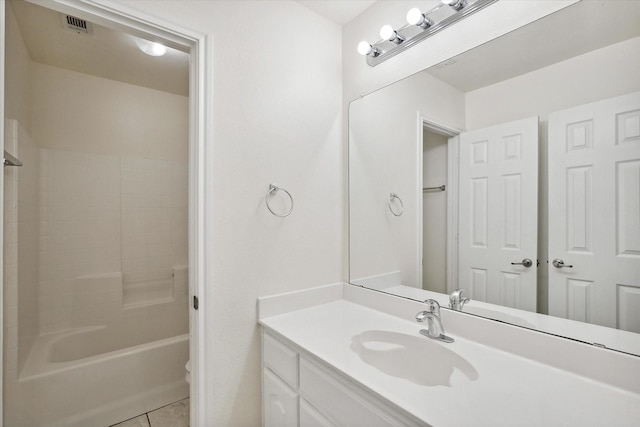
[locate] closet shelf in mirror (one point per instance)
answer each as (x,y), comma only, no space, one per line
(438,188)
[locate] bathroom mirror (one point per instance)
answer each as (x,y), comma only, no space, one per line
(512,171)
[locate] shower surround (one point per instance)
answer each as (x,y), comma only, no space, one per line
(96,285)
(103,214)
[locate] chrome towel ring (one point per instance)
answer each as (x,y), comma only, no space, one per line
(389,203)
(273,189)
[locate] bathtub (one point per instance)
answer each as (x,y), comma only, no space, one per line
(67,383)
(123,354)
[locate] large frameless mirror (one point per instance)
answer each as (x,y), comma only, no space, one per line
(511,171)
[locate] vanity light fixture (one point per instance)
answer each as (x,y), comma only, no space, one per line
(420,25)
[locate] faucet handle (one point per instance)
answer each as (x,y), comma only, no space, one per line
(432,306)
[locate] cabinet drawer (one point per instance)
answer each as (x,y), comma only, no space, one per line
(331,397)
(309,417)
(280,359)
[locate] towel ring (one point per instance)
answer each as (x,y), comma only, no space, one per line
(395,196)
(273,189)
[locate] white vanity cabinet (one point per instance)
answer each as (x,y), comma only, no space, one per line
(279,383)
(300,391)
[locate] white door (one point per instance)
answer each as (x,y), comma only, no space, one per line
(594,212)
(498,220)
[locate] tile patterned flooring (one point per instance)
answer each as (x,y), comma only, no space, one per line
(173,415)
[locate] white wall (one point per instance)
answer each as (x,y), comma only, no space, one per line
(384,156)
(434,212)
(600,74)
(276,118)
(18,72)
(78,112)
(583,79)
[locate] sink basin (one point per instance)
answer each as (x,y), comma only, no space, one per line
(417,359)
(497,315)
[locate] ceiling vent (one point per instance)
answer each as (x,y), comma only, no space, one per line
(77,25)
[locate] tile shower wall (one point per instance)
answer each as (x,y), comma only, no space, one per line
(79,228)
(113,195)
(20,242)
(102,215)
(154,218)
(27,199)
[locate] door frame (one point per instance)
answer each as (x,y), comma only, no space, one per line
(2,92)
(200,48)
(453,149)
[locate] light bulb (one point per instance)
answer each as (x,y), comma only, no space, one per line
(387,32)
(416,17)
(364,48)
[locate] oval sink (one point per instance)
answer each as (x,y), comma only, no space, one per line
(417,359)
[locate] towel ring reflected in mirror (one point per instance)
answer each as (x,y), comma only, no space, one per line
(273,189)
(393,196)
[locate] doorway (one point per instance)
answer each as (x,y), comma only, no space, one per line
(434,211)
(54,182)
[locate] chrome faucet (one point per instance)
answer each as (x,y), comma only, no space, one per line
(432,316)
(457,300)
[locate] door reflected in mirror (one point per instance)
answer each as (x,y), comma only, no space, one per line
(517,153)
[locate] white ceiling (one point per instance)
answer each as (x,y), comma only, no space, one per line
(338,11)
(573,31)
(105,53)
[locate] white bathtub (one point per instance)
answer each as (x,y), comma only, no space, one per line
(67,383)
(121,356)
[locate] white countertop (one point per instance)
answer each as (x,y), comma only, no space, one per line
(489,387)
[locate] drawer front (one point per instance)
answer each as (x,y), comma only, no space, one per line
(331,397)
(280,359)
(280,402)
(309,417)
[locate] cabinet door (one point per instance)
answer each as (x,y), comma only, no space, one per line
(280,402)
(309,417)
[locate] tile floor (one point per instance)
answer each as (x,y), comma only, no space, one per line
(174,415)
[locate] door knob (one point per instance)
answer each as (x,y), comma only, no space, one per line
(558,263)
(525,262)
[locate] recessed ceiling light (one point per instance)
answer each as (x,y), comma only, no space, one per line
(151,48)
